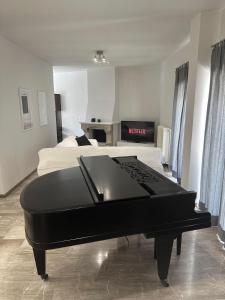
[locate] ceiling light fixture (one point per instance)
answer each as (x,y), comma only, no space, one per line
(100,58)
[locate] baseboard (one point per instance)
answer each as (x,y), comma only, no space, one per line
(14,187)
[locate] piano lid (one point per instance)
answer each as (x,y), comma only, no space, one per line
(57,191)
(108,181)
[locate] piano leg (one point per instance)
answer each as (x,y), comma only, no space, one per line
(179,241)
(164,245)
(155,254)
(39,256)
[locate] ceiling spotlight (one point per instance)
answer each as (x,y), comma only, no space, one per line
(100,58)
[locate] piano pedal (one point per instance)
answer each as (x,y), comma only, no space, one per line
(44,277)
(165,283)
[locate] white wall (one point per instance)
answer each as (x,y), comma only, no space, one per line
(192,83)
(72,86)
(1,176)
(222,25)
(206,29)
(139,93)
(86,94)
(18,149)
(167,83)
(208,35)
(197,52)
(108,93)
(101,93)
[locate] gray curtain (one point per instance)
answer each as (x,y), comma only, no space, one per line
(179,112)
(212,195)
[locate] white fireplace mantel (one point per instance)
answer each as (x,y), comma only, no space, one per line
(100,123)
(111,129)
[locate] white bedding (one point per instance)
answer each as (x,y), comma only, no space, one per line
(58,158)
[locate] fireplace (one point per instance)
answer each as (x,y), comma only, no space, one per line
(111,130)
(99,135)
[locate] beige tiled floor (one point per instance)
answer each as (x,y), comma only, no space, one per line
(109,270)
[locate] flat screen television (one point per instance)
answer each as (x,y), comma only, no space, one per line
(138,131)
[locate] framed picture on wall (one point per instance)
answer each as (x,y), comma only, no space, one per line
(25,108)
(42,105)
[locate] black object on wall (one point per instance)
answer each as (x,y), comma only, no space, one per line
(58,117)
(99,135)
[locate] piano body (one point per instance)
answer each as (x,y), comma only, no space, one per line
(107,198)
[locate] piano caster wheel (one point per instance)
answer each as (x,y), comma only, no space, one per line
(44,276)
(165,283)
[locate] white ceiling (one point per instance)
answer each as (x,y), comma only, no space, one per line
(131,32)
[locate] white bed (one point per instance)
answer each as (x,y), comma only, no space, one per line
(65,155)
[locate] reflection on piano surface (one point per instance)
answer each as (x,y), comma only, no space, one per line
(107,198)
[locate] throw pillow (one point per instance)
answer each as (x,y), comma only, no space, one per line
(82,141)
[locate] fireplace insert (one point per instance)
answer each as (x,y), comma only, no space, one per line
(99,135)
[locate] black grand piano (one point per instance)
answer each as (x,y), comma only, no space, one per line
(106,198)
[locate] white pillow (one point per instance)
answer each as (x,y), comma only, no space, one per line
(69,141)
(94,142)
